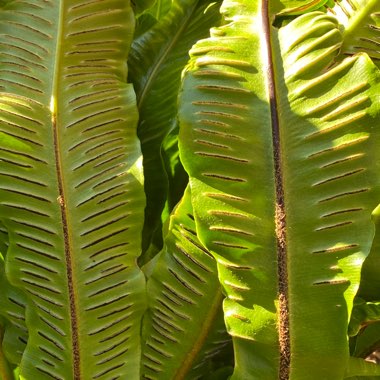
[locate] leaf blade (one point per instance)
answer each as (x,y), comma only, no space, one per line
(221,89)
(72,194)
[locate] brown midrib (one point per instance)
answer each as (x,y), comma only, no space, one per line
(187,363)
(280,215)
(162,57)
(55,93)
(68,255)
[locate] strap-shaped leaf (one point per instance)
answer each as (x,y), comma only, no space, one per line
(156,60)
(71,194)
(280,147)
(184,322)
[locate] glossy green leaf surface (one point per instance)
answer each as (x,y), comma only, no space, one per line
(184,323)
(13,311)
(5,370)
(156,60)
(360,20)
(71,191)
(160,8)
(295,7)
(367,341)
(362,314)
(279,142)
(370,284)
(141,5)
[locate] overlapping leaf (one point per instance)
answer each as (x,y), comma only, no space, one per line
(5,370)
(156,60)
(183,328)
(279,143)
(360,21)
(160,9)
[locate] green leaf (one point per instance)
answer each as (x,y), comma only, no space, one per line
(144,23)
(360,367)
(13,310)
(296,7)
(160,8)
(370,283)
(5,370)
(360,23)
(280,146)
(184,322)
(141,5)
(367,341)
(177,176)
(71,191)
(156,61)
(362,314)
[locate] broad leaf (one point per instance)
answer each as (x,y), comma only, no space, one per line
(184,322)
(280,146)
(71,192)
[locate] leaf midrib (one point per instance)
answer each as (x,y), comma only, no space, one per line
(62,196)
(161,58)
(280,214)
(199,343)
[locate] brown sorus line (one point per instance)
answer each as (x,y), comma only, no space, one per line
(280,215)
(68,255)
